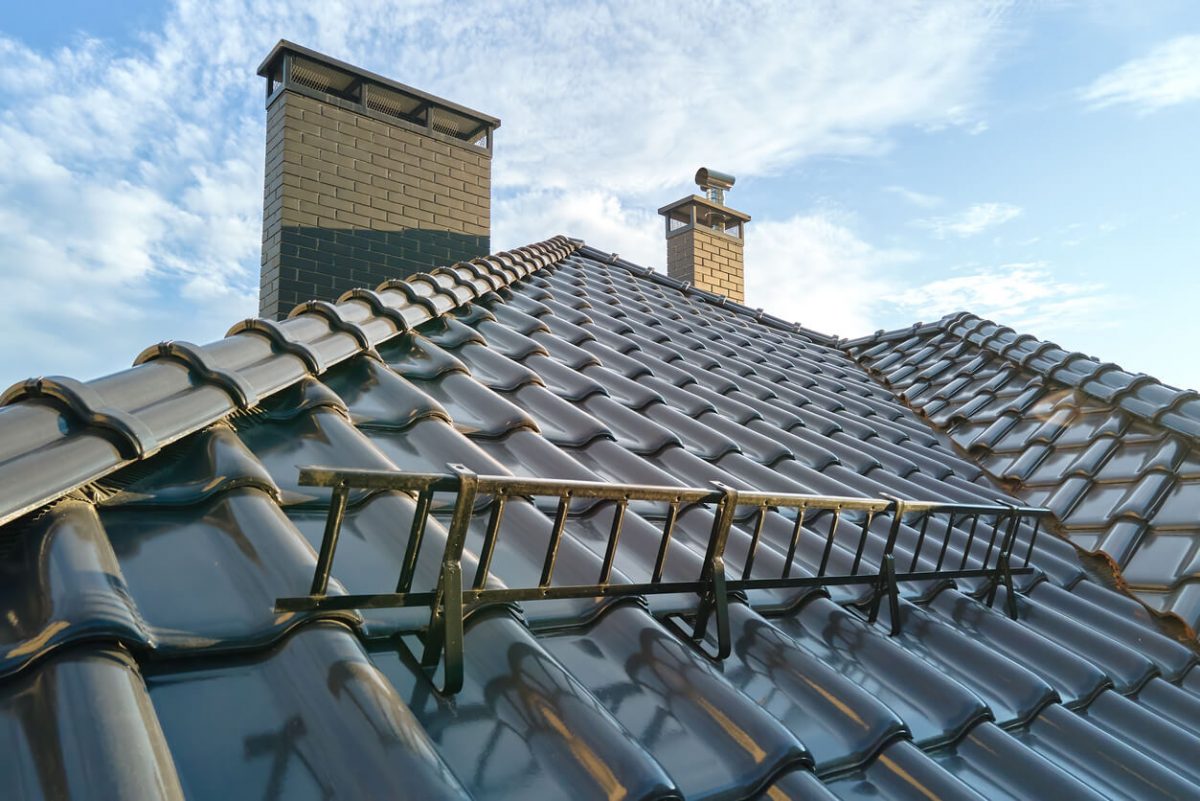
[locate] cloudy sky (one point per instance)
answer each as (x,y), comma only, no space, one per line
(1035,163)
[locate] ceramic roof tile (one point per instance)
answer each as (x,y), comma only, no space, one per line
(1100,445)
(139,588)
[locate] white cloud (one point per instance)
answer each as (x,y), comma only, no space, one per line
(1166,76)
(815,270)
(962,117)
(1026,296)
(131,197)
(919,199)
(974,220)
(597,217)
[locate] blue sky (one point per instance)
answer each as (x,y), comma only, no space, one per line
(1034,163)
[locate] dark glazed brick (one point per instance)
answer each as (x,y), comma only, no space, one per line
(323,263)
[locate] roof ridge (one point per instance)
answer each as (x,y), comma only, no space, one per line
(176,388)
(1139,394)
(895,334)
(686,287)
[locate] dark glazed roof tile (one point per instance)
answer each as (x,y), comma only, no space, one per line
(237,551)
(1075,679)
(62,584)
(1109,451)
(844,725)
(935,708)
(1157,739)
(984,759)
(80,725)
(1102,761)
(902,771)
(237,714)
(542,735)
(684,713)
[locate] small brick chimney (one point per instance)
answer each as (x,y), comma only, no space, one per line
(366,179)
(705,237)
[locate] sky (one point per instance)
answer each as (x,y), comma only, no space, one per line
(1034,163)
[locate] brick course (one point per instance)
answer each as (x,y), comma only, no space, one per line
(350,201)
(710,260)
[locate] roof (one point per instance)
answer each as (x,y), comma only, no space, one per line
(1115,455)
(153,518)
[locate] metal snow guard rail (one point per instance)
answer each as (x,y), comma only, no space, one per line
(443,637)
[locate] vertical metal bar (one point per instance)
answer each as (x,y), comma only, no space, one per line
(987,555)
(970,541)
(886,585)
(720,606)
(660,561)
(722,523)
(333,528)
(489,541)
(893,593)
(862,542)
(945,543)
(453,637)
(1010,537)
(796,529)
(1010,593)
(614,535)
(1037,524)
(556,532)
(415,535)
(837,516)
(444,635)
(920,540)
(1006,546)
(887,563)
(758,527)
(715,598)
(898,509)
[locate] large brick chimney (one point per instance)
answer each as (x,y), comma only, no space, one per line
(366,179)
(705,237)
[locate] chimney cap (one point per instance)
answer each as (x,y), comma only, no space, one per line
(711,179)
(705,207)
(283,47)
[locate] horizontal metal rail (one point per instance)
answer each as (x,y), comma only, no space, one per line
(443,636)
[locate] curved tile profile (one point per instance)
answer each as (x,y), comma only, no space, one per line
(163,515)
(80,725)
(249,727)
(61,583)
(1115,455)
(524,726)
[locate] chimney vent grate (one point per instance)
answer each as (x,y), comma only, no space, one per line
(324,78)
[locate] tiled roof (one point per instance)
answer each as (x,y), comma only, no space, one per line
(1115,455)
(154,517)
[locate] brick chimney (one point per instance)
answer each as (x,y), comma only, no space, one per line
(705,237)
(366,179)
